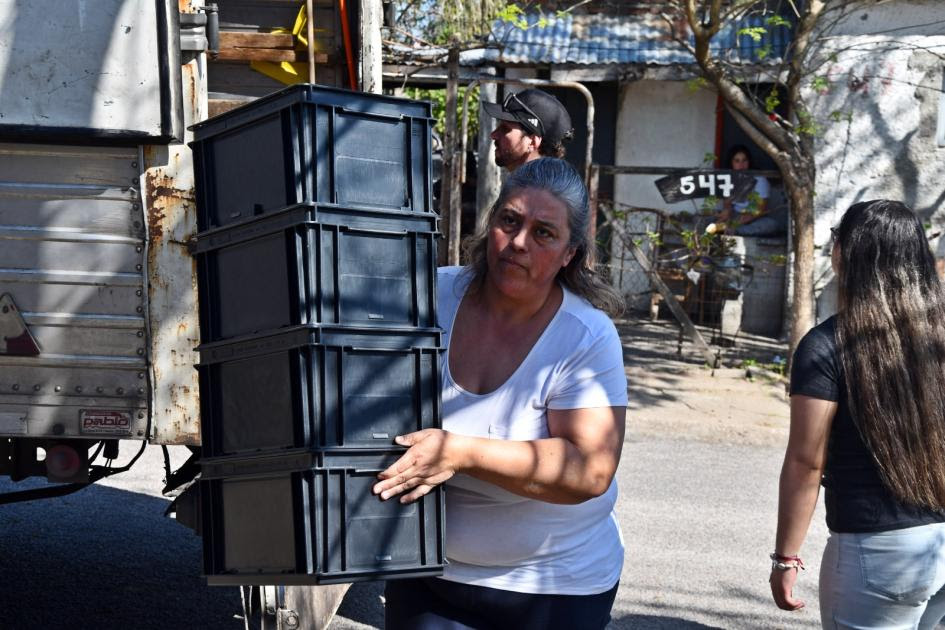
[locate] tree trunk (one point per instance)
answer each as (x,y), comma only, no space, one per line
(800,189)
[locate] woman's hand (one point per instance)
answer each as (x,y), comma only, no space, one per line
(430,460)
(803,468)
(782,587)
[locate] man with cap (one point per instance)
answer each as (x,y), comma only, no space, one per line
(532,124)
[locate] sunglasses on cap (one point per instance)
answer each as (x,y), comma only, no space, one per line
(513,100)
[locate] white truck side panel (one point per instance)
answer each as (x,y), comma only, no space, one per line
(72,261)
(90,64)
(93,238)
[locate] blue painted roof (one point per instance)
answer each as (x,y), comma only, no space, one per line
(602,39)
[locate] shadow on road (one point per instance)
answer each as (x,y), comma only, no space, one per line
(652,622)
(362,604)
(104,558)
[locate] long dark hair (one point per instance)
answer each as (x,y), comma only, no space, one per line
(891,337)
(561,180)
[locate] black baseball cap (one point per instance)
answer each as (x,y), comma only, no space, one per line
(540,113)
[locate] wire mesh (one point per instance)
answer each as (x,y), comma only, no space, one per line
(714,277)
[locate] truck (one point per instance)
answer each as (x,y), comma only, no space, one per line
(98,284)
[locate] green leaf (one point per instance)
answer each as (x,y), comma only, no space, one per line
(542,22)
(764,51)
(772,100)
(438,98)
(510,13)
(709,158)
(777,20)
(696,84)
(754,32)
(754,203)
(820,84)
(806,124)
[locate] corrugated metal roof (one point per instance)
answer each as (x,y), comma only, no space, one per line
(602,39)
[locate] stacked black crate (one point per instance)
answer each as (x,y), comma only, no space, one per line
(316,268)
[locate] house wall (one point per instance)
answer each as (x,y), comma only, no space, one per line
(661,123)
(878,115)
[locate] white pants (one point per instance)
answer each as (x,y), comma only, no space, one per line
(893,580)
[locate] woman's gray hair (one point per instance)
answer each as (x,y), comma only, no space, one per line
(558,178)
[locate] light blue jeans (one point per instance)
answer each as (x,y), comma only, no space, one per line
(893,580)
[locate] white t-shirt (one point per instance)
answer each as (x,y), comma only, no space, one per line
(501,540)
(762,188)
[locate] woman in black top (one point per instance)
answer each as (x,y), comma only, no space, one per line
(868,423)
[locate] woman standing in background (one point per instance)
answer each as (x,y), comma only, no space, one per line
(868,422)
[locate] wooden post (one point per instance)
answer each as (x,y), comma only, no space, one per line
(310,34)
(370,21)
(449,194)
(488,180)
(593,185)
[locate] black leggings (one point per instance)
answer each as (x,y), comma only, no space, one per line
(435,604)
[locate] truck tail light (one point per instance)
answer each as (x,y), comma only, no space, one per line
(63,463)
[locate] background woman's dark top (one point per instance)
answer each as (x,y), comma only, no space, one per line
(855,496)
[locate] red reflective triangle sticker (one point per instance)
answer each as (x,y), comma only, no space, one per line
(15,337)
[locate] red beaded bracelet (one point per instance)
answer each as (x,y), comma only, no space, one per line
(783,563)
(777,556)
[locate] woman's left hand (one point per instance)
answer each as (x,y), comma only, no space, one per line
(429,461)
(782,589)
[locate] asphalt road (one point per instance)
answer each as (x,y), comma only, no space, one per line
(698,521)
(106,557)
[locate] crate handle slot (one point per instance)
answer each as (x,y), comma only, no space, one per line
(397,118)
(363,349)
(348,228)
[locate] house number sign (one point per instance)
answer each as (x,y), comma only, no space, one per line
(703,183)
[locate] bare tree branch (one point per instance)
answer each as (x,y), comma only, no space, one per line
(734,95)
(694,22)
(763,142)
(673,34)
(799,54)
(715,10)
(738,11)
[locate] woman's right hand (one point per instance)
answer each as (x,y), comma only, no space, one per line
(782,587)
(429,461)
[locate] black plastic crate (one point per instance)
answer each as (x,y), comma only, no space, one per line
(317,264)
(318,387)
(313,144)
(284,521)
(293,460)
